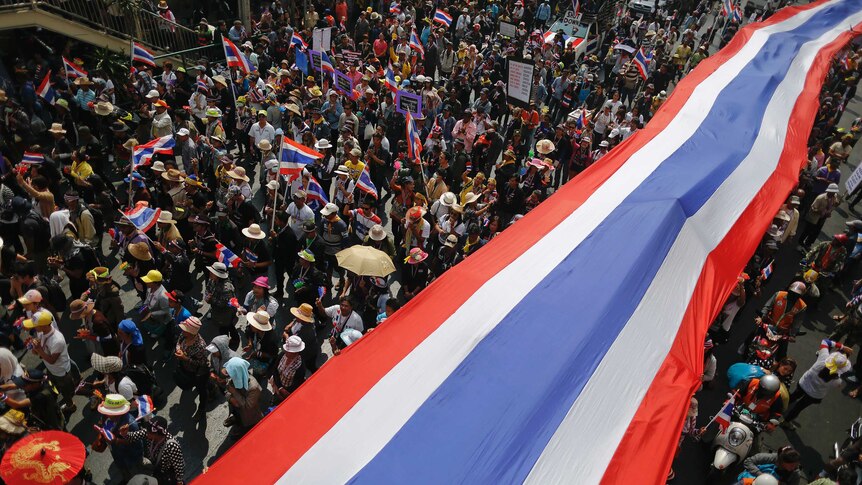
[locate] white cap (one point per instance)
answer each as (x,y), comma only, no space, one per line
(183,132)
(328,209)
(153,94)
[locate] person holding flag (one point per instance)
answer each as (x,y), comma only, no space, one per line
(161,448)
(761,396)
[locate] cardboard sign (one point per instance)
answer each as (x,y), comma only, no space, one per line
(853,181)
(343,83)
(315,59)
(407,102)
(351,57)
(321,39)
(508,30)
(520,82)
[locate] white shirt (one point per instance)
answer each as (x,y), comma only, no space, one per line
(298,217)
(53,342)
(812,384)
(339,322)
(258,133)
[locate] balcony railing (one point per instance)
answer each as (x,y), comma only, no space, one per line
(110,17)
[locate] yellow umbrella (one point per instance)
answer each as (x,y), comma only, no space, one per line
(365,261)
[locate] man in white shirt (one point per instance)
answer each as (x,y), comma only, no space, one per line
(261,130)
(50,346)
(299,213)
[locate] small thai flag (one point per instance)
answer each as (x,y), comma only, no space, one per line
(642,60)
(106,431)
(73,71)
(582,118)
(316,195)
(415,44)
(201,84)
(142,154)
(45,90)
(364,183)
(846,63)
(298,41)
(767,271)
(442,17)
(32,158)
(226,256)
(326,63)
(576,5)
(391,85)
(142,55)
(726,7)
(143,217)
(321,291)
(145,406)
(723,417)
(235,57)
(249,255)
(294,157)
(737,14)
(414,142)
(394,8)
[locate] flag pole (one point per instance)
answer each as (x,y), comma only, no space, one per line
(707,425)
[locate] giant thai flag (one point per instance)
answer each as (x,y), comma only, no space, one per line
(414,140)
(46,91)
(143,217)
(235,57)
(73,71)
(316,196)
(435,396)
(142,154)
(443,18)
(142,55)
(642,61)
(295,156)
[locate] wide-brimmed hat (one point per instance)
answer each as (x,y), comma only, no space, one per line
(106,365)
(173,175)
(303,312)
(220,79)
(447,199)
(213,112)
(152,93)
(152,276)
(377,233)
(470,198)
(293,108)
(191,325)
(101,273)
(57,128)
(261,281)
(832,189)
(293,345)
(260,321)
(545,146)
(265,145)
(416,212)
(238,173)
(322,144)
(254,232)
(306,255)
(272,185)
(140,251)
(103,108)
(158,166)
(342,170)
(166,217)
(83,81)
(114,405)
(219,269)
(451,241)
(79,307)
(13,422)
(416,256)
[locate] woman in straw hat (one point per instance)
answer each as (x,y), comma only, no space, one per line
(139,261)
(290,371)
(303,327)
(115,411)
(262,345)
(192,363)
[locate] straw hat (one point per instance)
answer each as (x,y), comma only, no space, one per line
(254,232)
(131,143)
(294,344)
(114,405)
(219,269)
(220,79)
(470,198)
(140,251)
(166,217)
(13,422)
(322,143)
(103,108)
(152,276)
(213,113)
(447,199)
(260,321)
(303,312)
(293,108)
(83,81)
(264,145)
(238,173)
(57,128)
(158,166)
(173,175)
(191,325)
(78,308)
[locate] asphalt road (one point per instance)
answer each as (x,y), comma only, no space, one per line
(821,425)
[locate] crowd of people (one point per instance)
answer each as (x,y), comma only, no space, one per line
(231,262)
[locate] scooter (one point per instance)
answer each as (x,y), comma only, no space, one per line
(733,443)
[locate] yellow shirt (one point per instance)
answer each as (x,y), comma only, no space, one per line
(355,168)
(81,170)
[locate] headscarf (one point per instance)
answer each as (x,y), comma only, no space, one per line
(58,220)
(222,343)
(237,369)
(9,366)
(129,327)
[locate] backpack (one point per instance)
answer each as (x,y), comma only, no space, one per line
(52,292)
(42,236)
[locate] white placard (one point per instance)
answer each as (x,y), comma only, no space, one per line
(508,30)
(853,181)
(321,39)
(520,84)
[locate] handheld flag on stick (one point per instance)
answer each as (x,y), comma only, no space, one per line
(143,217)
(226,256)
(316,195)
(364,183)
(72,71)
(416,45)
(298,41)
(235,57)
(294,157)
(32,158)
(142,55)
(441,17)
(45,90)
(641,61)
(145,407)
(142,154)
(414,142)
